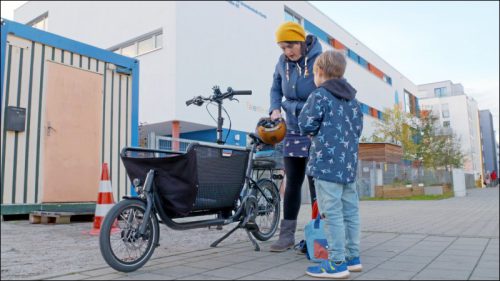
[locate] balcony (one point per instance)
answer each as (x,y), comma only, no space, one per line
(446,131)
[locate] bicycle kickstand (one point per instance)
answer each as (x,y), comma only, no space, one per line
(215,243)
(257,248)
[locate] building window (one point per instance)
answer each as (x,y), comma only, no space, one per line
(41,22)
(446,124)
(407,102)
(445,111)
(145,45)
(140,45)
(440,92)
(129,51)
(158,40)
(291,16)
(411,103)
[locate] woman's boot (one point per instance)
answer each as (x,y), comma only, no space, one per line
(287,236)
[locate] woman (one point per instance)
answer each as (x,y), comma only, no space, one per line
(293,79)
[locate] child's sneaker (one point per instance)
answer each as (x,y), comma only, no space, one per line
(354,265)
(328,269)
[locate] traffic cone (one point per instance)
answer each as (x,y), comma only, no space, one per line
(104,202)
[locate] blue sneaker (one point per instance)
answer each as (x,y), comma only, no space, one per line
(354,265)
(328,269)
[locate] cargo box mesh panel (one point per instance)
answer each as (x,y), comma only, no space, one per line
(221,176)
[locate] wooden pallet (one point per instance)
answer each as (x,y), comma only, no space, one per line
(52,217)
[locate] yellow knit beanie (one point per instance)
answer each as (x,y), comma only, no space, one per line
(290,31)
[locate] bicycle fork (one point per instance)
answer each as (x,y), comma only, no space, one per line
(148,186)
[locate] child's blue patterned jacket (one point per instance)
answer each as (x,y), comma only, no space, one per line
(333,117)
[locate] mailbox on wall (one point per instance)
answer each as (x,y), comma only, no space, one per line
(16,119)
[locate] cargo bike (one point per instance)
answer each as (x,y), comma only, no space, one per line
(214,180)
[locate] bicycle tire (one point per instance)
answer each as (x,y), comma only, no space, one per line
(106,231)
(268,186)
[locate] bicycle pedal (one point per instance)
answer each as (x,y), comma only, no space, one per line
(252,227)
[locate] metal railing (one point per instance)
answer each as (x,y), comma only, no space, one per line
(178,144)
(370,173)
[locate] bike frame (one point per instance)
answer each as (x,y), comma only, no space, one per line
(153,201)
(250,186)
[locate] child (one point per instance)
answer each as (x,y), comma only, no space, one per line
(333,119)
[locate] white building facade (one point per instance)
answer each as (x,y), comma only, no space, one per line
(458,112)
(185,48)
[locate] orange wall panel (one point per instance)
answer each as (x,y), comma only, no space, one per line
(338,45)
(375,71)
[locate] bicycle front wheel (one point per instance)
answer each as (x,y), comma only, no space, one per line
(268,214)
(122,247)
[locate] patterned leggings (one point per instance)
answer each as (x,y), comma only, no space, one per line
(295,170)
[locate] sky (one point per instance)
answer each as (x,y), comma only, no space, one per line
(425,41)
(431,41)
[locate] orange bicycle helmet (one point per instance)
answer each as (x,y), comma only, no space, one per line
(271,131)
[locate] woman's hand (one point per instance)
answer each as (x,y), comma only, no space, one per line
(276,114)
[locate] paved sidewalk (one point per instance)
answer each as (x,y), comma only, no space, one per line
(456,238)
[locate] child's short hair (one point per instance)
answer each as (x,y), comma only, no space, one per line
(333,63)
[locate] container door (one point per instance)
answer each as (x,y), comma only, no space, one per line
(73,132)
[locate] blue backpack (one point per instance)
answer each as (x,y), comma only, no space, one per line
(316,243)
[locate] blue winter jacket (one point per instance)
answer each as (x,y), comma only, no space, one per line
(333,117)
(297,88)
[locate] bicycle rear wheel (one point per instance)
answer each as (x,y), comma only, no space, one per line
(268,213)
(121,245)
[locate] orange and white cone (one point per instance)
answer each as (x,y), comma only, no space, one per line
(104,201)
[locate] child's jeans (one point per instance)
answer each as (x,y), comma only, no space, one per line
(339,204)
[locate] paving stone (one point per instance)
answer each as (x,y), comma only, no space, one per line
(101,271)
(428,274)
(209,264)
(402,266)
(479,277)
(387,274)
(76,276)
(449,265)
(204,277)
(400,240)
(439,239)
(487,264)
(145,276)
(486,272)
(410,258)
(179,271)
(233,273)
(109,276)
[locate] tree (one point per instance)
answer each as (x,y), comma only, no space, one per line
(438,147)
(397,127)
(422,139)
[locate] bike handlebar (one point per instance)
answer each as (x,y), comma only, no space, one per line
(248,92)
(217,96)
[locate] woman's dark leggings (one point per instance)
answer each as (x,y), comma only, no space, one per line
(295,170)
